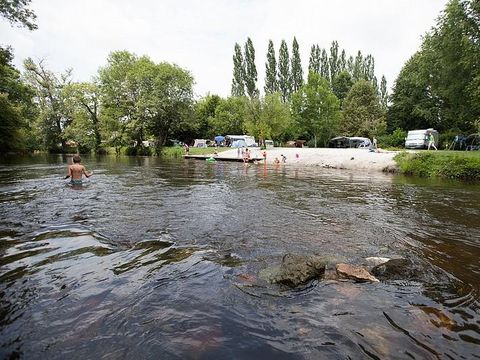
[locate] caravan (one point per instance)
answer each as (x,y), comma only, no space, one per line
(240,141)
(417,139)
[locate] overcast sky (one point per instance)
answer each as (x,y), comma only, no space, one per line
(200,35)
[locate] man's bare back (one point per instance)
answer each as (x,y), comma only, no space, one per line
(76,170)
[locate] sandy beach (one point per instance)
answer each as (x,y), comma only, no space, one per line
(352,159)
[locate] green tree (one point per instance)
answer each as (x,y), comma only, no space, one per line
(85,128)
(324,66)
(314,62)
(16,107)
(267,118)
(316,109)
(54,113)
(413,104)
(168,102)
(230,116)
(334,60)
(363,114)
(284,75)
(341,85)
(271,82)
(119,97)
(439,86)
(238,81)
(205,110)
(16,12)
(297,72)
(250,70)
(383,93)
(358,67)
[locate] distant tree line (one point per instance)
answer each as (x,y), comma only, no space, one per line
(133,101)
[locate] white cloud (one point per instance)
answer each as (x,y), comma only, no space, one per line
(200,35)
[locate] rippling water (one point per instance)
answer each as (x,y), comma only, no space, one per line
(161,259)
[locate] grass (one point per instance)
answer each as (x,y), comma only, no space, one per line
(205,151)
(463,165)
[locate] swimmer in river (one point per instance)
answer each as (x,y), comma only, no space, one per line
(76,170)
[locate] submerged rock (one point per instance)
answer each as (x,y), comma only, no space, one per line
(297,269)
(407,269)
(356,273)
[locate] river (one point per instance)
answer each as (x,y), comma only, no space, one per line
(163,259)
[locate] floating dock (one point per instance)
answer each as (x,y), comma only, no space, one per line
(221,158)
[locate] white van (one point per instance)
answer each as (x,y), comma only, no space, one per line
(269,144)
(417,139)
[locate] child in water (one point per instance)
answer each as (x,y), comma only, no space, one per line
(76,170)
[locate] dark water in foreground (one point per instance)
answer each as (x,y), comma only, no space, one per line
(157,259)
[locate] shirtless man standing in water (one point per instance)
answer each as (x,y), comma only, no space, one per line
(76,170)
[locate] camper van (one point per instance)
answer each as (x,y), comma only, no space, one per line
(417,139)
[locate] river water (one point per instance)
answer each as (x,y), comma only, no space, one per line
(163,259)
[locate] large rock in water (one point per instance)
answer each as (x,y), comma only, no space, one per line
(407,269)
(356,273)
(296,269)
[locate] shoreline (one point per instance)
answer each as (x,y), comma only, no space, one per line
(333,158)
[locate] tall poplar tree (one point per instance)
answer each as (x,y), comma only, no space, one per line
(342,62)
(297,72)
(314,62)
(383,92)
(324,66)
(250,70)
(238,85)
(271,82)
(334,61)
(358,72)
(284,72)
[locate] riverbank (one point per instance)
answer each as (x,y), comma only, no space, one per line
(462,165)
(350,159)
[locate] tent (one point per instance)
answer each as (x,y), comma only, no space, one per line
(219,139)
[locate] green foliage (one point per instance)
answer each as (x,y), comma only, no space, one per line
(16,107)
(230,116)
(205,110)
(316,109)
(341,85)
(141,98)
(284,77)
(55,111)
(238,81)
(395,139)
(314,61)
(363,115)
(250,70)
(325,66)
(334,60)
(297,72)
(439,86)
(15,12)
(271,81)
(268,118)
(85,129)
(445,164)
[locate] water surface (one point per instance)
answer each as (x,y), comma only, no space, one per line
(161,259)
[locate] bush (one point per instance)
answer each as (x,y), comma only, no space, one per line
(138,151)
(395,139)
(452,165)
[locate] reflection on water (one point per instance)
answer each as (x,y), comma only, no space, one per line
(163,259)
